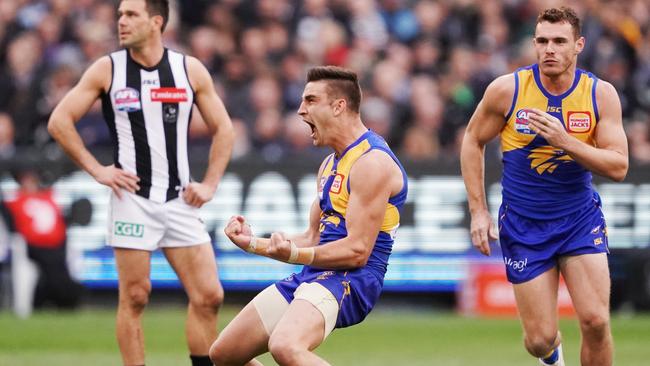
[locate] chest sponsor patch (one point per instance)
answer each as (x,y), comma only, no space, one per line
(127,100)
(337,183)
(521,122)
(169,95)
(579,122)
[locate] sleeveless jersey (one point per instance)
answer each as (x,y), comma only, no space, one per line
(148,110)
(334,193)
(540,181)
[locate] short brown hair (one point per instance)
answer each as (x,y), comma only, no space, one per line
(340,83)
(159,7)
(563,14)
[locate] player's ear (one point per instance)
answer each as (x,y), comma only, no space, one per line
(340,105)
(158,21)
(580,45)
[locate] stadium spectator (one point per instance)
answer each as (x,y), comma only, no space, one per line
(34,215)
(7,146)
(249,40)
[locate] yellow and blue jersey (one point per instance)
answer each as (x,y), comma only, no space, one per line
(334,193)
(540,181)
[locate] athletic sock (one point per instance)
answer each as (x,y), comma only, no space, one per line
(201,360)
(552,357)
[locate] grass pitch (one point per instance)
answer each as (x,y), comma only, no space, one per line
(387,337)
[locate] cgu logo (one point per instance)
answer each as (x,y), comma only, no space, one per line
(129,229)
(516,265)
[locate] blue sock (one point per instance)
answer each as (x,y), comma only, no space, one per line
(552,358)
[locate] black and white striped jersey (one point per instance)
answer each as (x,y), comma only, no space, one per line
(148,111)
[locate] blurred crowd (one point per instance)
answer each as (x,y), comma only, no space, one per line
(424,64)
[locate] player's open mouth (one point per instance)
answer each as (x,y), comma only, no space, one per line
(312,126)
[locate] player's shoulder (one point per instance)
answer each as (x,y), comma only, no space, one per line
(101,65)
(375,162)
(605,89)
(498,96)
(99,73)
(194,65)
(502,86)
(198,74)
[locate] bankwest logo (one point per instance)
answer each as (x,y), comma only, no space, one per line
(129,229)
(168,95)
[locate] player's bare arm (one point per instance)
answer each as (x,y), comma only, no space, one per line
(219,124)
(486,124)
(610,156)
(241,233)
(69,111)
(374,178)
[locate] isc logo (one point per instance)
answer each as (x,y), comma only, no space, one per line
(554,109)
(129,229)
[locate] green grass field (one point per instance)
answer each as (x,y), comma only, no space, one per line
(387,337)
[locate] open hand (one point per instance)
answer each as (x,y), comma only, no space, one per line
(483,231)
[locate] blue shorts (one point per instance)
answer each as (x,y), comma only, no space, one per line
(356,291)
(531,247)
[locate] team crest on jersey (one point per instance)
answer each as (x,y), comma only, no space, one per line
(337,183)
(546,159)
(127,100)
(170,113)
(579,122)
(521,122)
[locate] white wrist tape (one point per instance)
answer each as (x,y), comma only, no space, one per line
(294,252)
(252,246)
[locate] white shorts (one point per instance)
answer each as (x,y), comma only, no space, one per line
(271,305)
(138,223)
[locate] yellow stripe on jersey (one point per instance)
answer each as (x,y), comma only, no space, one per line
(339,194)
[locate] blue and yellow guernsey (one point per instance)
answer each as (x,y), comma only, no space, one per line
(334,193)
(540,181)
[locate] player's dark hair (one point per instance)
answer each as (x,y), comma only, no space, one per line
(341,83)
(563,14)
(159,7)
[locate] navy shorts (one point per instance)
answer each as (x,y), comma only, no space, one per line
(356,291)
(531,247)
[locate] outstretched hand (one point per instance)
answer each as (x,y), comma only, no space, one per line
(239,232)
(117,179)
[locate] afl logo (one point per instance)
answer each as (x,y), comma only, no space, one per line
(521,122)
(127,100)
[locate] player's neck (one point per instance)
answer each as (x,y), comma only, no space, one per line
(148,54)
(348,136)
(559,84)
